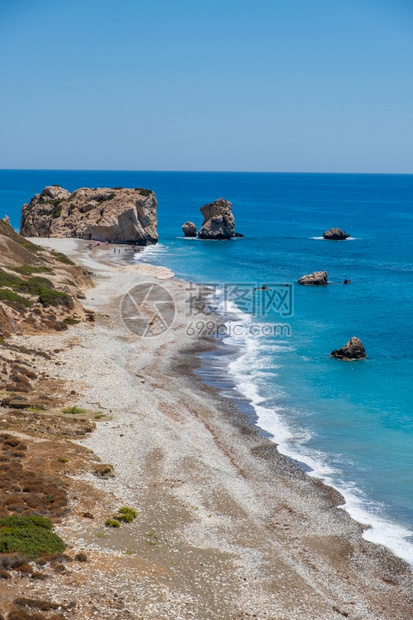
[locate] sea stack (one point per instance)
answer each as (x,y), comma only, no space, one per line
(104,214)
(317,278)
(218,220)
(353,350)
(189,229)
(335,234)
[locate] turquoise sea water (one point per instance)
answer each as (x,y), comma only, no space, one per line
(352,423)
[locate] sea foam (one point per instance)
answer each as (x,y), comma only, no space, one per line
(246,371)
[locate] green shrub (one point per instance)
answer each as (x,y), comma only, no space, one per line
(14,300)
(28,245)
(143,191)
(105,198)
(112,523)
(73,409)
(62,258)
(9,279)
(30,535)
(57,207)
(48,298)
(62,459)
(71,321)
(126,514)
(28,270)
(126,510)
(35,286)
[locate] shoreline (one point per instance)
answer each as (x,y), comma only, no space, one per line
(277,535)
(361,509)
(386,531)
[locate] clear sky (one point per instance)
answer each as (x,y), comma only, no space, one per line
(264,85)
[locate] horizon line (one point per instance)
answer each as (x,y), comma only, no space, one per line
(199,171)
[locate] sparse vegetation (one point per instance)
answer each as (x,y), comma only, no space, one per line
(14,300)
(56,203)
(73,409)
(62,459)
(62,258)
(28,245)
(105,198)
(9,279)
(104,471)
(50,297)
(126,514)
(28,270)
(29,535)
(35,408)
(143,191)
(112,523)
(34,286)
(71,321)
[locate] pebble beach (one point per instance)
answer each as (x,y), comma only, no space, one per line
(227,527)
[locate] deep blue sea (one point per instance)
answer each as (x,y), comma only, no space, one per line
(351,422)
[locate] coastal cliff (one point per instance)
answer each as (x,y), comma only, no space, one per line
(104,214)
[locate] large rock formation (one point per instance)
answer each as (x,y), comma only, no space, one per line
(353,350)
(218,220)
(189,229)
(317,278)
(103,214)
(335,234)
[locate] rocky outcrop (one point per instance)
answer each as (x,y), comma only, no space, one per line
(189,229)
(103,214)
(353,350)
(218,220)
(335,234)
(317,278)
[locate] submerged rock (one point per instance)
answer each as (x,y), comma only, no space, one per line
(104,214)
(189,229)
(317,278)
(335,234)
(353,350)
(218,220)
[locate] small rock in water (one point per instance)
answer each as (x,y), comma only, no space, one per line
(335,234)
(189,229)
(317,278)
(353,350)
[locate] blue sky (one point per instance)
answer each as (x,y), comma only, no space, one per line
(270,85)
